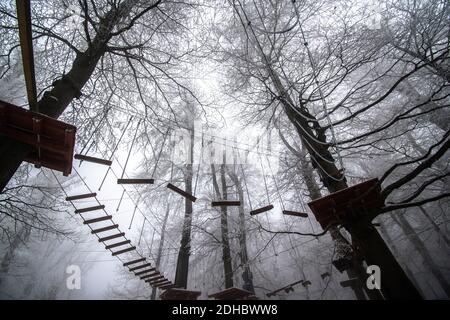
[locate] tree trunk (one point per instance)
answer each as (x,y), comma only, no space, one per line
(341,245)
(226,254)
(372,247)
(56,100)
(435,226)
(396,250)
(161,244)
(422,250)
(182,271)
(247,275)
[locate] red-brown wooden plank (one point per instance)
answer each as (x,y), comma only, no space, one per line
(181,192)
(261,210)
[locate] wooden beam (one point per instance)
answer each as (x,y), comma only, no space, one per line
(185,194)
(133,262)
(97,219)
(261,210)
(135,181)
(155,278)
(114,236)
(169,286)
(295,213)
(151,275)
(93,159)
(114,226)
(141,266)
(145,271)
(81,196)
(153,283)
(123,251)
(118,244)
(225,203)
(94,208)
(26,45)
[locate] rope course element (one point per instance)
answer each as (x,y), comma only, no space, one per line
(123,246)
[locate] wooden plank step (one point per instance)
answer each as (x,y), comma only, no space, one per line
(155,279)
(135,181)
(162,284)
(133,262)
(151,276)
(155,282)
(169,286)
(141,266)
(93,159)
(295,213)
(114,226)
(225,203)
(99,219)
(145,271)
(94,208)
(118,244)
(81,196)
(123,251)
(185,194)
(114,236)
(261,210)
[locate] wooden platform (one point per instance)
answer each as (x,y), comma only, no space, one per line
(354,200)
(179,294)
(232,294)
(52,141)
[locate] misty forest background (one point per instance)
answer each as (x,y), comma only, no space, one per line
(369,79)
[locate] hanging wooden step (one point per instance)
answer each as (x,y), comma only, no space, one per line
(295,213)
(118,244)
(261,210)
(81,196)
(114,226)
(135,181)
(100,207)
(145,271)
(162,284)
(151,275)
(141,266)
(170,286)
(93,159)
(123,251)
(114,236)
(185,194)
(97,219)
(129,263)
(352,283)
(51,142)
(155,279)
(226,203)
(156,283)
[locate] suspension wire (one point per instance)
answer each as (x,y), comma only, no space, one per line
(199,163)
(132,217)
(276,184)
(245,181)
(160,151)
(142,229)
(114,150)
(131,148)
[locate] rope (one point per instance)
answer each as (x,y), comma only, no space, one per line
(131,148)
